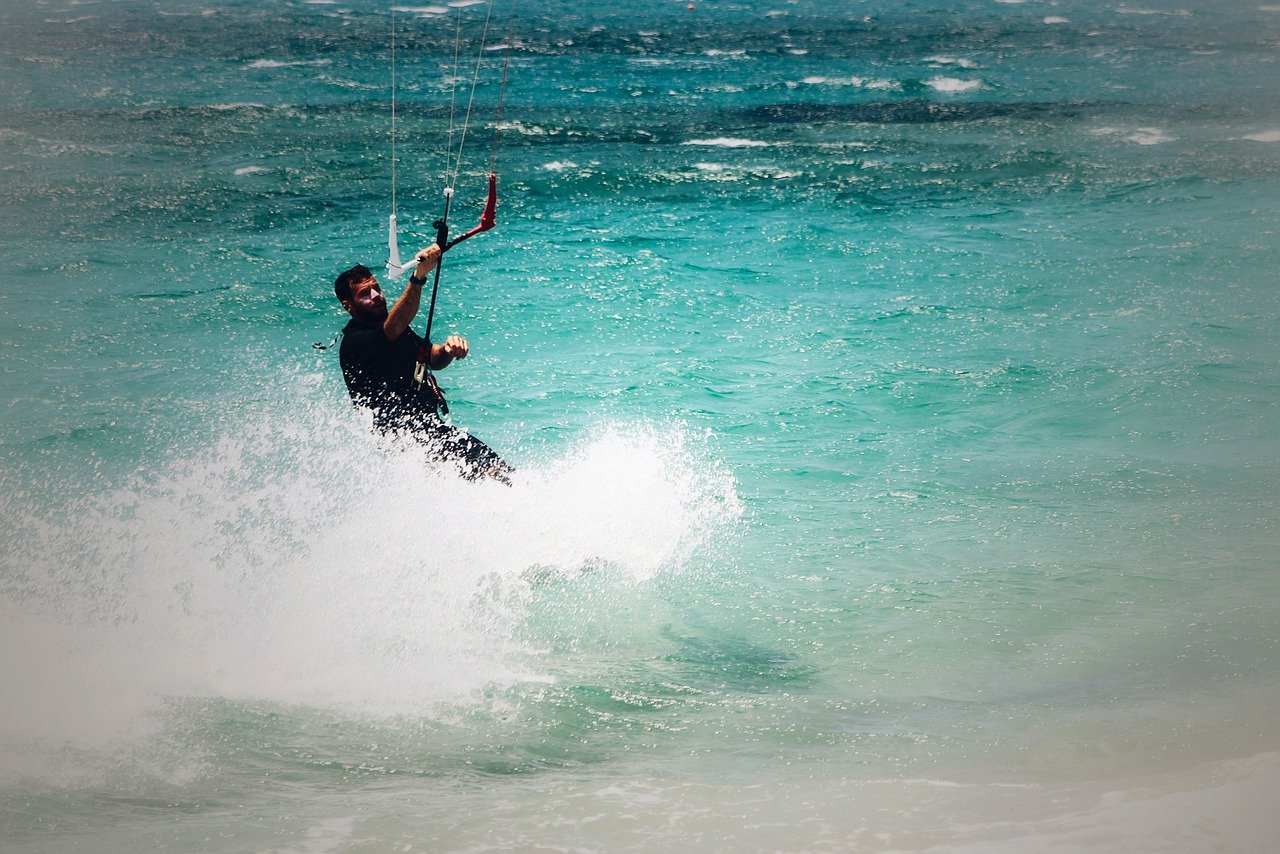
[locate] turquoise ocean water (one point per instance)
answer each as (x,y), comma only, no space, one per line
(894,389)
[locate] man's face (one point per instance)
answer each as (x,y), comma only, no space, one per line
(366,302)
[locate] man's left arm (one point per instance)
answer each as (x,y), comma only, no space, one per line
(454,347)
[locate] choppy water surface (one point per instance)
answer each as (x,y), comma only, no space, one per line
(893,389)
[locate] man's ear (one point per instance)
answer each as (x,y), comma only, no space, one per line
(346,304)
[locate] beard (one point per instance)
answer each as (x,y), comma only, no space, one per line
(369,314)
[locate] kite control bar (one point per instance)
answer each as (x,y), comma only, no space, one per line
(488,219)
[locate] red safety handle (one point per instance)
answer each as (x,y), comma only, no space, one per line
(488,218)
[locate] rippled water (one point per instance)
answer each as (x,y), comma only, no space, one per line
(893,389)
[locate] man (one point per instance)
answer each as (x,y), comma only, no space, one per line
(378,357)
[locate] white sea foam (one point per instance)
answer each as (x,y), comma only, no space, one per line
(1142,136)
(250,170)
(284,63)
(951,85)
(559,165)
(524,129)
(303,563)
(1055,19)
(951,60)
(1263,136)
(797,51)
(1148,136)
(818,80)
(462,4)
(721,172)
(422,10)
(739,52)
(728,142)
(858,82)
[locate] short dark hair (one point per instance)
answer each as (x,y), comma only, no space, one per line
(342,285)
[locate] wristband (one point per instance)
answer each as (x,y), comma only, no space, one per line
(414,280)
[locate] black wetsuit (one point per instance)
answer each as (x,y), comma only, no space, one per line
(379,375)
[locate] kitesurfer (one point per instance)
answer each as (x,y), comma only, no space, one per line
(378,356)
